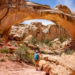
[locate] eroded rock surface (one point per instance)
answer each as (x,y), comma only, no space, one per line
(59,65)
(63,8)
(37,30)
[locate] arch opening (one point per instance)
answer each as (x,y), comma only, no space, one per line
(44,21)
(46,29)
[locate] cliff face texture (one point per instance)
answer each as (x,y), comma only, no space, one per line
(16,11)
(63,8)
(38,30)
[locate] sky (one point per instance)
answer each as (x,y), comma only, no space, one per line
(44,22)
(52,4)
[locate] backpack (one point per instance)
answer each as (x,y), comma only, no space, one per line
(36,56)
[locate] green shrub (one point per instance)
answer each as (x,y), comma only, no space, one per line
(61,38)
(29,58)
(22,49)
(70,52)
(68,37)
(5,50)
(34,41)
(22,54)
(47,42)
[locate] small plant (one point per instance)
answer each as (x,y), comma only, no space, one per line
(22,49)
(48,42)
(34,41)
(5,50)
(68,37)
(22,54)
(61,38)
(70,52)
(29,58)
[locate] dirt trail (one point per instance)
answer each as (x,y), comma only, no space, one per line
(14,68)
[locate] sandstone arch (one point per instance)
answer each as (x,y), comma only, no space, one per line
(27,12)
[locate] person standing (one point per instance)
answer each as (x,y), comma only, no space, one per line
(36,60)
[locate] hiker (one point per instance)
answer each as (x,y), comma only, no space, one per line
(36,60)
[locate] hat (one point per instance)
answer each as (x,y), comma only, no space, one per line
(36,51)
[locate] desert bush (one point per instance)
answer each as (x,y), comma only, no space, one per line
(29,58)
(47,42)
(5,50)
(69,52)
(61,38)
(68,37)
(21,54)
(34,41)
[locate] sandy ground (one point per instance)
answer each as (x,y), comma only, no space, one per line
(15,68)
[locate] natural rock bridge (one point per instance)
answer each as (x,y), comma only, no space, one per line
(16,11)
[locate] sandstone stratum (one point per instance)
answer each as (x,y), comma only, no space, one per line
(16,11)
(38,30)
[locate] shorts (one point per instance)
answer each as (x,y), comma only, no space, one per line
(36,62)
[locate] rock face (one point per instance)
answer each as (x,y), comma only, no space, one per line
(73,13)
(20,10)
(37,6)
(38,30)
(34,29)
(55,31)
(63,8)
(56,65)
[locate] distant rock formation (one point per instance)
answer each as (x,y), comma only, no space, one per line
(55,31)
(37,30)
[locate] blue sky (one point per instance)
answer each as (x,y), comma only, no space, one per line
(44,22)
(53,3)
